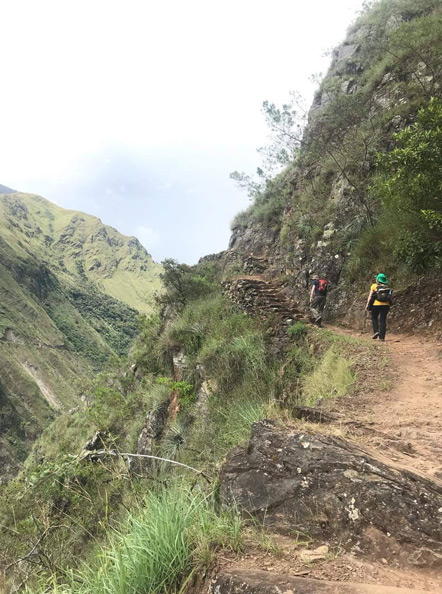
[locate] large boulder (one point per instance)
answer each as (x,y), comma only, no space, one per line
(331,490)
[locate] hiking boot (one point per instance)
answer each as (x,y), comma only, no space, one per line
(382,339)
(375,335)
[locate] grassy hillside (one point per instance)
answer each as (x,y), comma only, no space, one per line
(203,376)
(70,292)
(78,247)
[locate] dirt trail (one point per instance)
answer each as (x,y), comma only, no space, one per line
(400,423)
(402,420)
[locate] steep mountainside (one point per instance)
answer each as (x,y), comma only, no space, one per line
(71,289)
(6,190)
(349,205)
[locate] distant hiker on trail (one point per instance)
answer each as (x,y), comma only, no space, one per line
(318,296)
(378,302)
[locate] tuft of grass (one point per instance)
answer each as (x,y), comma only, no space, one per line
(235,421)
(175,534)
(332,378)
(227,425)
(338,339)
(297,331)
(244,356)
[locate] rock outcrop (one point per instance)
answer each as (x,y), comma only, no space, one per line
(311,217)
(329,489)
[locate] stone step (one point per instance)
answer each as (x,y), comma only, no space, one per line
(255,295)
(251,281)
(272,291)
(255,581)
(280,309)
(278,301)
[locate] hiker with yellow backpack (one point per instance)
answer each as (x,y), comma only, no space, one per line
(378,303)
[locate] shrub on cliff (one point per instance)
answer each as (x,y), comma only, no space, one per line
(410,185)
(185,283)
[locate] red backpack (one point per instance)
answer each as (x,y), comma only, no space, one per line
(322,286)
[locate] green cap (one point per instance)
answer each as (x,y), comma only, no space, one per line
(381,278)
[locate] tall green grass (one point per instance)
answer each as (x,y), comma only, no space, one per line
(229,345)
(176,533)
(332,378)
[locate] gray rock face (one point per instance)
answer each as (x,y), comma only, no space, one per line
(253,240)
(153,428)
(347,51)
(97,441)
(330,490)
(180,365)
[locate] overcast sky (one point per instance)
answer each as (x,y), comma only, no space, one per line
(136,111)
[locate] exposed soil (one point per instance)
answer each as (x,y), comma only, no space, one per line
(401,419)
(336,567)
(51,398)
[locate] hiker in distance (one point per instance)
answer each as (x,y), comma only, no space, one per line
(318,297)
(378,303)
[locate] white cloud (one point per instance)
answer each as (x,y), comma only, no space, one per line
(157,80)
(148,236)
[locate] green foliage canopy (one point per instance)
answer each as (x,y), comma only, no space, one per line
(409,184)
(411,175)
(183,283)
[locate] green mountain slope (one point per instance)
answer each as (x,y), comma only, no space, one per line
(71,289)
(78,246)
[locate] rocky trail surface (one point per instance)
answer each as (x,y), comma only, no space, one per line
(262,298)
(352,503)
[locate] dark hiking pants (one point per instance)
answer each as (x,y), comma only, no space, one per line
(317,307)
(379,319)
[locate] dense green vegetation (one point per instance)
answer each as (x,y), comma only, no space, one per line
(184,284)
(409,186)
(112,319)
